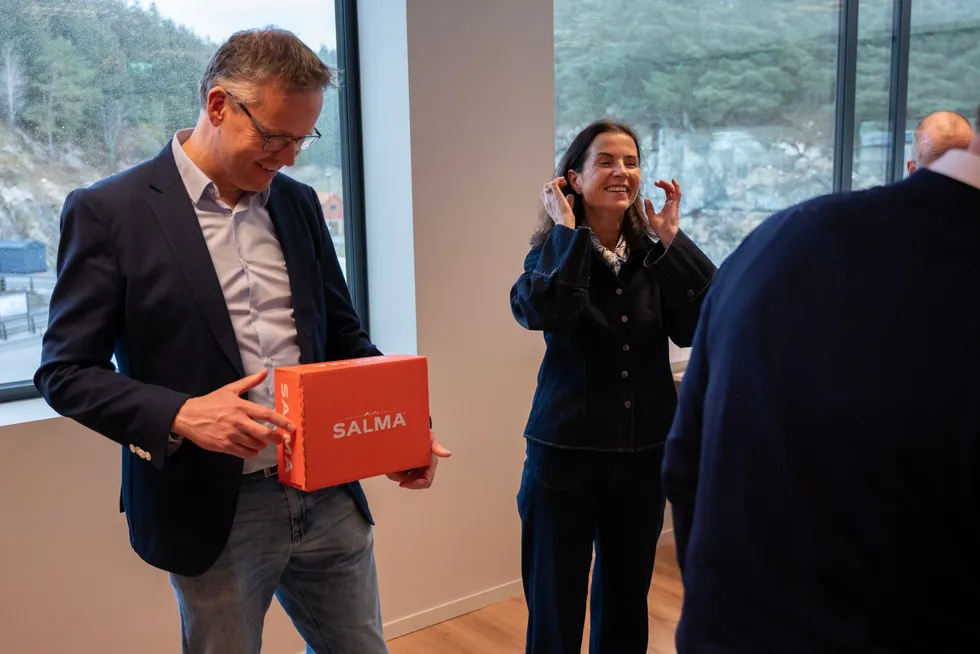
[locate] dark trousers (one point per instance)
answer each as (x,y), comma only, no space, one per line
(570,501)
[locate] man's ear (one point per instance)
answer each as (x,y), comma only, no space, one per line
(217,102)
(910,165)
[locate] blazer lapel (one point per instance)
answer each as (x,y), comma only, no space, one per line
(175,213)
(295,238)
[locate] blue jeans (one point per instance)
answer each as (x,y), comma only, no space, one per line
(313,551)
(570,502)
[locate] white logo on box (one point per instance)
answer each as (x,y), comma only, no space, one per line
(369,423)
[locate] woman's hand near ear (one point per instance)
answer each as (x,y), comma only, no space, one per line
(557,204)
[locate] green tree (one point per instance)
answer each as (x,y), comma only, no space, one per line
(63,91)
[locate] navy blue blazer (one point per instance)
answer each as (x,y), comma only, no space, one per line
(135,277)
(605,381)
(824,466)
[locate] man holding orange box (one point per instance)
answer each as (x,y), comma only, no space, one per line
(377,419)
(203,269)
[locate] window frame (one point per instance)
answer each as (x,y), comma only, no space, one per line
(846,100)
(355,232)
(352,156)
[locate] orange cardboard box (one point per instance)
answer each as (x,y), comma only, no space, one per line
(354,419)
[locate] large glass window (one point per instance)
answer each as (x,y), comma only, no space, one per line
(743,101)
(91,87)
(734,99)
(944,60)
(872,94)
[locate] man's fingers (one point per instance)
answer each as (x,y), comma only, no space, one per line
(439,450)
(423,481)
(417,479)
(246,384)
(258,435)
(259,412)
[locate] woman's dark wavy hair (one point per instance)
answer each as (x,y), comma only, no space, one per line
(634,223)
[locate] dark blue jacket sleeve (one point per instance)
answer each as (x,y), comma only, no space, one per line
(682,451)
(346,338)
(552,292)
(76,375)
(683,273)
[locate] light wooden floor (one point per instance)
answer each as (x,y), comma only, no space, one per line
(499,629)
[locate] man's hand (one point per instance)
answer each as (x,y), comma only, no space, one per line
(421,478)
(223,422)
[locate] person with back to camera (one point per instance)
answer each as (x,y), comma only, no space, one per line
(608,280)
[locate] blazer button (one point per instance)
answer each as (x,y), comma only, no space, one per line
(625,374)
(625,319)
(628,404)
(626,348)
(619,291)
(690,294)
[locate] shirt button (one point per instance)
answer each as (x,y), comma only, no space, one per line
(625,318)
(255,314)
(628,404)
(625,374)
(619,291)
(244,264)
(626,348)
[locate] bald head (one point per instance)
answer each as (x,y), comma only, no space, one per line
(937,133)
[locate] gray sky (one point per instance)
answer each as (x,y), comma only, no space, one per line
(311,20)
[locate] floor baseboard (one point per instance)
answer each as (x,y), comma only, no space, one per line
(454,609)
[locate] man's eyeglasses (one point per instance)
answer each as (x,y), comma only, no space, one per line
(278,142)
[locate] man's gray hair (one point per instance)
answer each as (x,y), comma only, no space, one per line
(258,56)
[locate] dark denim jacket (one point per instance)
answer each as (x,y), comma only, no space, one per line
(605,381)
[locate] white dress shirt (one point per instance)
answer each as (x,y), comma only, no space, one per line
(252,272)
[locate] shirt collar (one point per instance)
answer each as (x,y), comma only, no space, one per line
(198,184)
(961,165)
(616,257)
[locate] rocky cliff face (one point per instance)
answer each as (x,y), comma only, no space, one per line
(33,188)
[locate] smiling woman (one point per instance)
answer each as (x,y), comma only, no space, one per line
(608,280)
(93,87)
